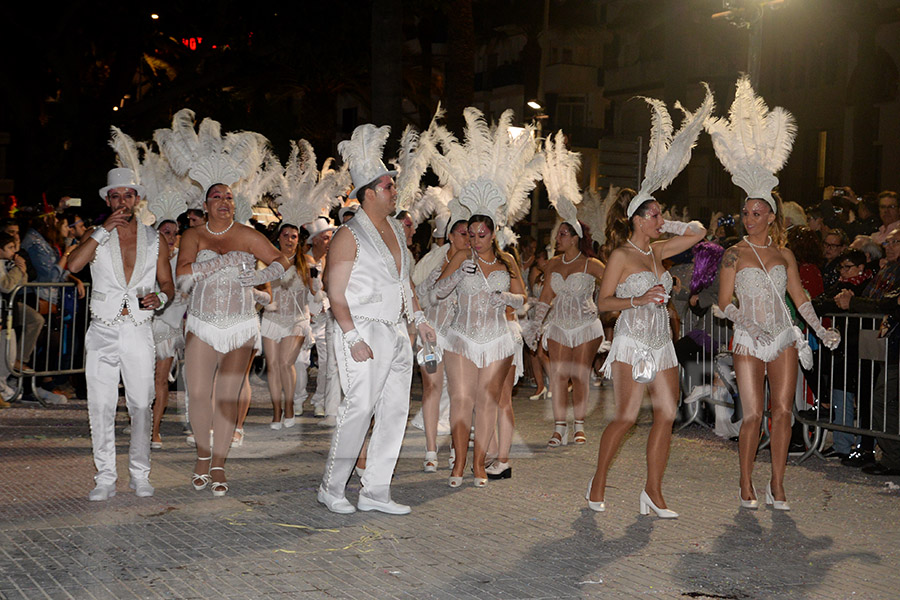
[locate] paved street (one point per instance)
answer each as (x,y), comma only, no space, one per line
(531,536)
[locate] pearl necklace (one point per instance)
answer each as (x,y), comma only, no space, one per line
(569,262)
(490,264)
(635,246)
(768,242)
(223,232)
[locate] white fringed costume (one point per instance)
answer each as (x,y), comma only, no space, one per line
(221,312)
(759,304)
(572,320)
(168,324)
(288,313)
(645,327)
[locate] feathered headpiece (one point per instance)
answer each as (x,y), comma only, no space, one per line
(432,201)
(207,157)
(302,192)
(752,143)
(250,190)
(362,153)
(492,172)
(668,154)
(560,179)
(593,210)
(415,154)
(167,194)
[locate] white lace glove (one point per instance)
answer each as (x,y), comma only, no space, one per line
(534,333)
(207,267)
(734,315)
(446,285)
(831,338)
(507,299)
(262,298)
(679,227)
(261,276)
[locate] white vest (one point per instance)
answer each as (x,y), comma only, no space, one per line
(376,291)
(110,293)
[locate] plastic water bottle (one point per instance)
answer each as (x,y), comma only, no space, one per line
(430,358)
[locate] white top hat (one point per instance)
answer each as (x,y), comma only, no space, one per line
(318,226)
(121,177)
(362,152)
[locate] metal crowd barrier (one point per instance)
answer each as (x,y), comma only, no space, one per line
(60,342)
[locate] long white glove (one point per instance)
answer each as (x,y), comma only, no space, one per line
(534,333)
(263,299)
(202,269)
(507,299)
(446,285)
(831,338)
(254,278)
(680,227)
(734,315)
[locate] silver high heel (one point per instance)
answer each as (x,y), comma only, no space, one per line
(776,504)
(753,503)
(562,429)
(455,482)
(647,505)
(595,506)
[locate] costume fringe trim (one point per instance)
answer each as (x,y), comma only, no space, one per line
(572,338)
(275,331)
(225,339)
(624,349)
(480,354)
(745,345)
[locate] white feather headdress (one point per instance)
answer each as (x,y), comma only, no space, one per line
(752,143)
(362,153)
(492,172)
(205,156)
(560,178)
(248,192)
(593,211)
(412,161)
(668,154)
(302,191)
(167,194)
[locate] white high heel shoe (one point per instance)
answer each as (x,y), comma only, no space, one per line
(561,428)
(595,506)
(776,504)
(540,395)
(431,462)
(647,505)
(753,503)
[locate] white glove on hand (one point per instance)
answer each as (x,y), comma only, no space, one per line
(263,298)
(254,278)
(734,315)
(207,267)
(831,338)
(507,299)
(679,227)
(444,286)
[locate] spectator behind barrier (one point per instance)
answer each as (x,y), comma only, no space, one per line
(874,251)
(13,273)
(807,249)
(889,212)
(834,243)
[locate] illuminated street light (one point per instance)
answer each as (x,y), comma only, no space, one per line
(115,108)
(534,104)
(154,16)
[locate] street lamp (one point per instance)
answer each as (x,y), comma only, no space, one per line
(534,104)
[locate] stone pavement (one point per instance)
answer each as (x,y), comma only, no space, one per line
(531,536)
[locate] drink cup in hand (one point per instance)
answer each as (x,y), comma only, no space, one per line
(142,292)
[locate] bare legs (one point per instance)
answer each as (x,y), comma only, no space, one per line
(628,394)
(506,420)
(208,370)
(161,384)
(751,380)
(479,388)
(432,384)
(571,364)
(540,365)
(244,401)
(281,357)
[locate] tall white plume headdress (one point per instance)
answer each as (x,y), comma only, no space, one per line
(167,195)
(560,178)
(362,153)
(302,192)
(669,153)
(249,191)
(207,157)
(593,211)
(753,143)
(412,161)
(492,172)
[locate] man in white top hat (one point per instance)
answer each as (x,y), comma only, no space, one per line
(128,260)
(371,294)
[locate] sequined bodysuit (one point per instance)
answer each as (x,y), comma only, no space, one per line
(644,327)
(221,312)
(479,331)
(288,313)
(762,303)
(572,320)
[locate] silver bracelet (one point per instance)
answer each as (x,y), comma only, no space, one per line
(100,235)
(632,302)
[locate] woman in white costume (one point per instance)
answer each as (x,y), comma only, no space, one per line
(758,271)
(479,345)
(636,283)
(572,331)
(285,327)
(537,355)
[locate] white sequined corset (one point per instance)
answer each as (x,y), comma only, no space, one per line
(757,299)
(439,312)
(290,297)
(574,302)
(478,319)
(649,323)
(219,299)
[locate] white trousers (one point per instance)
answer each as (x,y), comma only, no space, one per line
(378,387)
(328,391)
(125,350)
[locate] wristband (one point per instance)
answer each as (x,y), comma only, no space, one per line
(100,235)
(163,298)
(352,337)
(419,317)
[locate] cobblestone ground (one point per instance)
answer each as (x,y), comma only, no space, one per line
(531,536)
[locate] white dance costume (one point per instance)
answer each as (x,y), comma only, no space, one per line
(573,319)
(644,327)
(288,313)
(168,324)
(221,312)
(480,331)
(758,303)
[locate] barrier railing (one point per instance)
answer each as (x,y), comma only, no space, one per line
(59,340)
